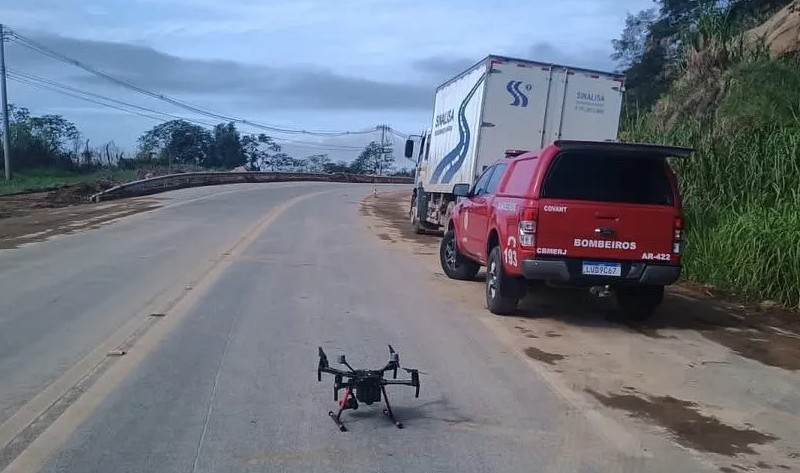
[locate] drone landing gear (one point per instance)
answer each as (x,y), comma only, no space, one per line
(388,410)
(337,418)
(349,402)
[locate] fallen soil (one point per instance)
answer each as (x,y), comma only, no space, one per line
(13,205)
(717,377)
(36,216)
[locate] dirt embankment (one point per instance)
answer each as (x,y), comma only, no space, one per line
(35,216)
(714,376)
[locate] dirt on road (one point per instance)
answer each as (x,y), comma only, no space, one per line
(717,377)
(36,216)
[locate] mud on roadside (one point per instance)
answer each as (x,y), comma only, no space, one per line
(713,375)
(36,216)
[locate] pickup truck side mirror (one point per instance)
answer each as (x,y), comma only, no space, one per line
(461,190)
(409,151)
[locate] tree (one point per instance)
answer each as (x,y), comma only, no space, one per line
(227,148)
(278,161)
(374,159)
(178,142)
(317,162)
(632,43)
(42,141)
(257,150)
(56,131)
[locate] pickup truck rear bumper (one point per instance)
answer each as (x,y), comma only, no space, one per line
(569,271)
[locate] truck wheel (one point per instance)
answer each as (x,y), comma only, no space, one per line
(415,223)
(501,294)
(639,303)
(454,264)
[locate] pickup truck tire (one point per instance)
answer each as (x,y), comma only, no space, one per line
(639,303)
(501,290)
(454,264)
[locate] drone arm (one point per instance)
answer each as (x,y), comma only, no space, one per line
(333,371)
(391,366)
(414,381)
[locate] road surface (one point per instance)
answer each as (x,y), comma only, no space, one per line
(184,339)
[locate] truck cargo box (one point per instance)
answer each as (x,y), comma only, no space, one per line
(503,103)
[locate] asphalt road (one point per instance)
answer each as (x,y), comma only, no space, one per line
(251,279)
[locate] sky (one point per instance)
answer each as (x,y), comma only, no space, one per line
(313,65)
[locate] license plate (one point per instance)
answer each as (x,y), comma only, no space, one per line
(602,269)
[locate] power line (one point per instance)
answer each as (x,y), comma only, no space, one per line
(38,47)
(22,80)
(398,134)
(64,87)
(321,145)
(80,94)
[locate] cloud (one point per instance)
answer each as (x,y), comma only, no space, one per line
(591,58)
(248,85)
(441,68)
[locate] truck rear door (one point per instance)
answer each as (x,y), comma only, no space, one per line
(583,106)
(606,206)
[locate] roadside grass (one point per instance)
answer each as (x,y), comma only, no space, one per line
(741,188)
(43,179)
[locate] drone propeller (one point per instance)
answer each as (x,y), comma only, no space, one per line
(394,360)
(323,363)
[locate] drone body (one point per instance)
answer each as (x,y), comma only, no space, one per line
(367,386)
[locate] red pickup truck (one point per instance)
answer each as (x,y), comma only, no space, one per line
(602,215)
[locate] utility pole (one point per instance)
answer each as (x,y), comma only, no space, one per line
(4,104)
(383,149)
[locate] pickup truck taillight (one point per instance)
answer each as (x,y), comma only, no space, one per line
(527,227)
(677,237)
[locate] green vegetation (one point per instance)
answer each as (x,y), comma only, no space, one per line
(740,110)
(49,151)
(49,178)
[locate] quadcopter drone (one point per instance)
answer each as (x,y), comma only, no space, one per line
(366,386)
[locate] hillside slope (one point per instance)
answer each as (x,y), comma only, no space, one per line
(781,33)
(739,107)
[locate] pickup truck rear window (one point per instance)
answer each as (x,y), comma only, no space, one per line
(608,178)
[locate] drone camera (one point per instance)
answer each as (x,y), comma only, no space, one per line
(369,393)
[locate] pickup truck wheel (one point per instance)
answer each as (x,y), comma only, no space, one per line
(454,264)
(639,303)
(500,288)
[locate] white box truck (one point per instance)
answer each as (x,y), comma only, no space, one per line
(498,105)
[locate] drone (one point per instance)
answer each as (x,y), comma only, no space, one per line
(365,386)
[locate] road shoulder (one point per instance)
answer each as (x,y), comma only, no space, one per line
(715,377)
